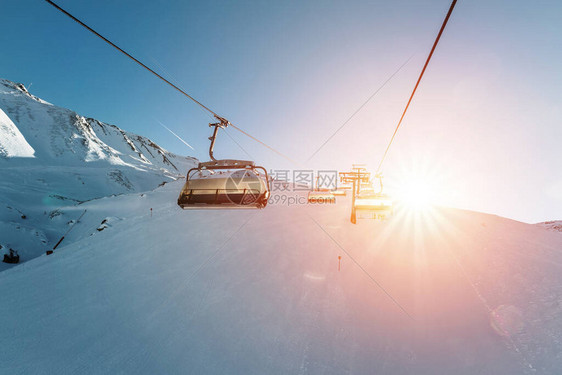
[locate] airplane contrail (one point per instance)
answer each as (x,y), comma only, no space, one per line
(177,136)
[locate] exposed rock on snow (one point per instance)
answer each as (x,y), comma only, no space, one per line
(107,223)
(555,225)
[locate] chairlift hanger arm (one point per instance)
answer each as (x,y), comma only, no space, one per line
(223,123)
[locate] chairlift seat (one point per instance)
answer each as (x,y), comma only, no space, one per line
(319,196)
(373,206)
(243,188)
(339,192)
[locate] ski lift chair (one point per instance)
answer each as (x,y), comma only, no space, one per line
(321,197)
(339,192)
(223,184)
(372,205)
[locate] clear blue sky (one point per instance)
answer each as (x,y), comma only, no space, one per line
(485,124)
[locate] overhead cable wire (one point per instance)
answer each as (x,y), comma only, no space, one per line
(164,79)
(264,144)
(364,270)
(360,107)
(417,83)
(238,144)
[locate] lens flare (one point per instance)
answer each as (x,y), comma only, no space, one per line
(417,193)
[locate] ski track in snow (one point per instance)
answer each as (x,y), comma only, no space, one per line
(254,292)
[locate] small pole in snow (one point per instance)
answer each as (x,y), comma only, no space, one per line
(339,262)
(49,252)
(150,211)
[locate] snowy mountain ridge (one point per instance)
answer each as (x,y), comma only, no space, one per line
(52,157)
(61,134)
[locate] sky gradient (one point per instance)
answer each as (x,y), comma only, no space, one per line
(484,127)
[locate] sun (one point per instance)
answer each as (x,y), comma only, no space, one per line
(417,192)
(419,186)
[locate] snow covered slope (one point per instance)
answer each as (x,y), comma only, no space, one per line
(259,292)
(76,159)
(12,142)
